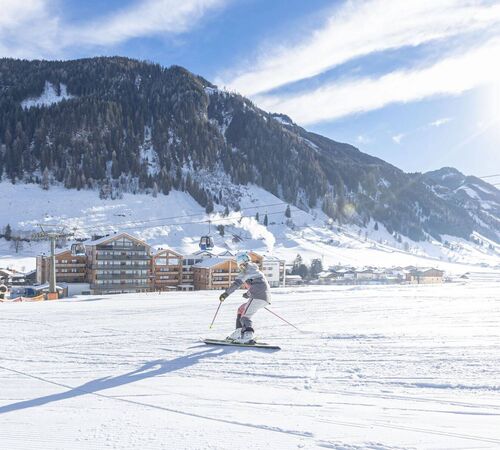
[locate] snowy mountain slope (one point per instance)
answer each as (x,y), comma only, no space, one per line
(121,125)
(51,95)
(177,221)
(480,199)
(395,367)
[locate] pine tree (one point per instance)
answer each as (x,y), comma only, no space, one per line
(288,213)
(375,227)
(8,232)
(266,221)
(316,267)
(45,179)
(257,216)
(17,243)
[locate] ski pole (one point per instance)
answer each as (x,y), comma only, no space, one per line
(216,312)
(286,321)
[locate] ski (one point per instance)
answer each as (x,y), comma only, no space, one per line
(237,344)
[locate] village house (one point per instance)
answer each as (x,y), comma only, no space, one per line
(293,280)
(330,277)
(425,276)
(365,275)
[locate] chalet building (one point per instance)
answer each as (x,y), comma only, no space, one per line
(365,275)
(69,268)
(187,281)
(425,276)
(214,273)
(294,280)
(330,277)
(6,275)
(119,263)
(256,258)
(167,270)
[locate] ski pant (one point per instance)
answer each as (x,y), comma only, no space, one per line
(246,312)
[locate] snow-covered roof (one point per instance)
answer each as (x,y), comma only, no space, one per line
(272,258)
(157,251)
(203,253)
(112,238)
(293,277)
(211,262)
(8,272)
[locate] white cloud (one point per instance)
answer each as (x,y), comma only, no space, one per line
(438,122)
(397,138)
(145,18)
(450,76)
(28,29)
(34,28)
(362,139)
(360,28)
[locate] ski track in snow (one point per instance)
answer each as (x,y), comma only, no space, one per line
(374,368)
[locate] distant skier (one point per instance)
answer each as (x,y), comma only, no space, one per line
(258,296)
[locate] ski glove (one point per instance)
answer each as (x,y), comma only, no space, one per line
(223,296)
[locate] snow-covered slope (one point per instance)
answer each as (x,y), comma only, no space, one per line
(396,367)
(177,221)
(50,95)
(480,199)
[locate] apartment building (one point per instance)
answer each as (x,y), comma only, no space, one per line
(69,268)
(167,270)
(214,273)
(119,263)
(275,270)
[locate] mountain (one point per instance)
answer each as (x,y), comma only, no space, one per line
(120,125)
(479,199)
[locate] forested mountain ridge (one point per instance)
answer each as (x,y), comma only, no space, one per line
(117,124)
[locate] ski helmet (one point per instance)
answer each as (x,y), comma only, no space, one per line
(242,258)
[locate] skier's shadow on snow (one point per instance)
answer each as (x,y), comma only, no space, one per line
(149,370)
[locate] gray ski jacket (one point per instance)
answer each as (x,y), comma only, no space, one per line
(258,285)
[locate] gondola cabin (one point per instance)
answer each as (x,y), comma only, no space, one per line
(206,243)
(77,249)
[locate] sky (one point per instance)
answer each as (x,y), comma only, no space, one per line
(414,82)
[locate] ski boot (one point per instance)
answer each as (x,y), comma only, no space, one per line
(247,337)
(235,336)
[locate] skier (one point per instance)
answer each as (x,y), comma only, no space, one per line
(258,296)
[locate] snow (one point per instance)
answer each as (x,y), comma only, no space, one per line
(48,97)
(176,221)
(148,154)
(379,367)
(470,192)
